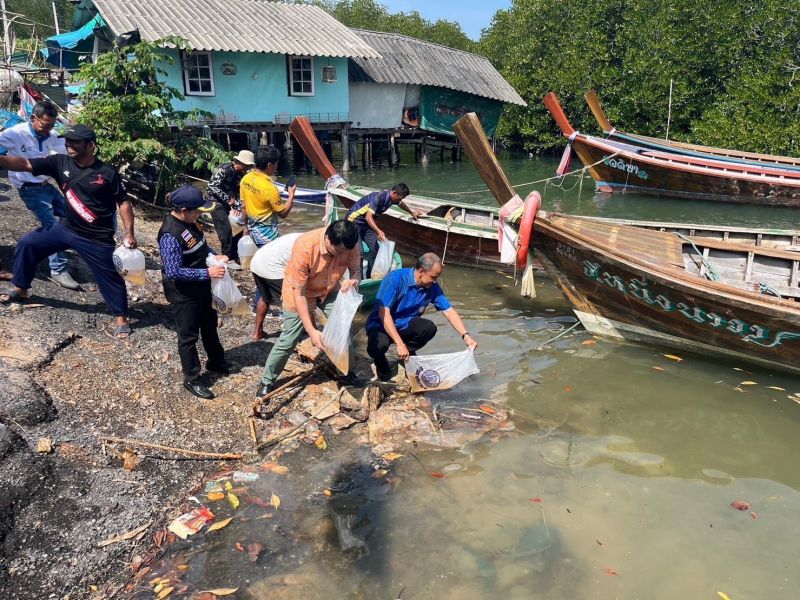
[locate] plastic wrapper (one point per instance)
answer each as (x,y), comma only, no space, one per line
(336,334)
(439,371)
(130,264)
(191,522)
(247,249)
(383,260)
(225,295)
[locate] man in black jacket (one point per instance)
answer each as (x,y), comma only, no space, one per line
(223,188)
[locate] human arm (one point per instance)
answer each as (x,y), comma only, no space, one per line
(301,304)
(15,163)
(126,214)
(370,218)
(172,257)
(218,184)
(385,315)
(287,206)
(413,212)
(455,320)
(354,266)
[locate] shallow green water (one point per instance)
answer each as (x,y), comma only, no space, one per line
(617,483)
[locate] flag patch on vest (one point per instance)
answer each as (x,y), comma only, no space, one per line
(190,240)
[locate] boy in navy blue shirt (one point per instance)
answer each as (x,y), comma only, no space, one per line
(396,317)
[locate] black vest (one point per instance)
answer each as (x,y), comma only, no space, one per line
(195,251)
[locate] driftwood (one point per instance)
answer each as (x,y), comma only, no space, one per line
(290,433)
(291,383)
(196,453)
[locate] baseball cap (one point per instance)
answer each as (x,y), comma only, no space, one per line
(80,133)
(190,198)
(246,158)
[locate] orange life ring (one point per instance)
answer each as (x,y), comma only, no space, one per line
(532,205)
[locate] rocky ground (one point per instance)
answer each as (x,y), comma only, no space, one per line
(68,384)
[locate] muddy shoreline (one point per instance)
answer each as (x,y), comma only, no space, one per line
(70,382)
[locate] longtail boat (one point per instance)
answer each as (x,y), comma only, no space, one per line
(689,293)
(626,168)
(697,150)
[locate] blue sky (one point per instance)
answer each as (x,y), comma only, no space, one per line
(472,15)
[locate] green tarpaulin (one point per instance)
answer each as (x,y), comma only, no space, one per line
(440,108)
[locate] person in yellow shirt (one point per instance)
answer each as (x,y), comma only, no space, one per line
(261,202)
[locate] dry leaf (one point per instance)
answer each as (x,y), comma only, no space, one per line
(437,475)
(377,474)
(567,388)
(723,595)
(233,500)
(182,567)
(214,496)
(219,525)
(130,460)
(44,445)
(321,443)
(280,470)
(672,357)
(537,500)
(775,387)
(165,358)
(124,536)
(254,550)
(327,492)
(164,593)
(487,409)
(740,505)
(748,383)
(394,455)
(658,368)
(588,343)
(610,572)
(754,515)
(239,547)
(738,389)
(275,500)
(220,591)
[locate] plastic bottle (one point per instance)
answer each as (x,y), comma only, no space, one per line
(130,264)
(247,248)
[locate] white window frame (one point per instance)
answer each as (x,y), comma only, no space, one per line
(291,75)
(186,56)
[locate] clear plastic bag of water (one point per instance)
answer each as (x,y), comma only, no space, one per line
(247,249)
(439,371)
(336,334)
(236,221)
(383,260)
(225,295)
(130,264)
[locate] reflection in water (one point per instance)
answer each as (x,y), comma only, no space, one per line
(617,482)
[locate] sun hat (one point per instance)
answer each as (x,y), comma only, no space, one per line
(245,157)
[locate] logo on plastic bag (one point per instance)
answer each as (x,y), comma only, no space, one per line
(118,265)
(428,378)
(219,304)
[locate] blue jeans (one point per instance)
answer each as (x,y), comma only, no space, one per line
(46,203)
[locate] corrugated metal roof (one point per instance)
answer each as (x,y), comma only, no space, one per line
(237,26)
(408,60)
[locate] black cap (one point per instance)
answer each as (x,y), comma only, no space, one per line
(190,198)
(80,133)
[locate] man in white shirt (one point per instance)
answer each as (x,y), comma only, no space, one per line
(38,140)
(268,265)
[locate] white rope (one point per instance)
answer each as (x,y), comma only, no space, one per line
(447,236)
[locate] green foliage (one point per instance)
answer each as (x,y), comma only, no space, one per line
(134,117)
(38,17)
(734,68)
(371,15)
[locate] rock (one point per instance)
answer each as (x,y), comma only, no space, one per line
(321,406)
(308,350)
(393,421)
(44,445)
(341,422)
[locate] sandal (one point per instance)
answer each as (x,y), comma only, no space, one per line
(123,331)
(12,295)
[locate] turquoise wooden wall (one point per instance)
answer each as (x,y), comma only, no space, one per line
(259,89)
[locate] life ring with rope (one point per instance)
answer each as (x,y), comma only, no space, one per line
(532,205)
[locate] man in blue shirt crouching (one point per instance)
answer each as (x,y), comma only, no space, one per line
(403,296)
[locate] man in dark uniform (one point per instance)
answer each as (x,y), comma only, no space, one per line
(363,214)
(187,286)
(93,191)
(223,187)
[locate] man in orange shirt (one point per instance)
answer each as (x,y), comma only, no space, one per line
(319,260)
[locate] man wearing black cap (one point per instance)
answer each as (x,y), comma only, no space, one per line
(187,287)
(93,191)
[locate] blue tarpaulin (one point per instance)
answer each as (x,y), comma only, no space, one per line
(71,41)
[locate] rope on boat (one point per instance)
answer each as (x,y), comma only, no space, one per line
(449,219)
(314,204)
(711,273)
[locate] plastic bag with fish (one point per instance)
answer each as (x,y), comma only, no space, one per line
(336,334)
(440,371)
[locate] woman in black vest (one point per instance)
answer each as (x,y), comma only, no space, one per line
(187,287)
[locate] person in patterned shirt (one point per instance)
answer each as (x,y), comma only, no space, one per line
(223,188)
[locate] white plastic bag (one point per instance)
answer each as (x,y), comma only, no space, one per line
(130,264)
(508,251)
(225,295)
(236,221)
(247,249)
(383,260)
(336,334)
(439,371)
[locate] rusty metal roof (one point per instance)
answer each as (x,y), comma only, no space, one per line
(408,60)
(237,26)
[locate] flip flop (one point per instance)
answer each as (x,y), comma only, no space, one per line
(122,332)
(12,295)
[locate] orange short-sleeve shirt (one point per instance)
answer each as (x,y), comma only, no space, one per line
(315,270)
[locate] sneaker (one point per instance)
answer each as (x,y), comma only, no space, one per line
(65,280)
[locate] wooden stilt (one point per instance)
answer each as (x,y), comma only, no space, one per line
(345,150)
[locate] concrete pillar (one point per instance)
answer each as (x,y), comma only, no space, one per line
(345,150)
(392,156)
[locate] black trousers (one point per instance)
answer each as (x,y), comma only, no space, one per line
(227,241)
(418,333)
(193,318)
(368,237)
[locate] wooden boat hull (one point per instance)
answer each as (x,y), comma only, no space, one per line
(457,242)
(620,168)
(643,293)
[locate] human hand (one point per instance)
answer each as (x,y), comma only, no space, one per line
(316,339)
(471,344)
(415,214)
(402,352)
(129,241)
(381,235)
(223,258)
(348,284)
(216,272)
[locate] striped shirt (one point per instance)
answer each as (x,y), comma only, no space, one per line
(375,203)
